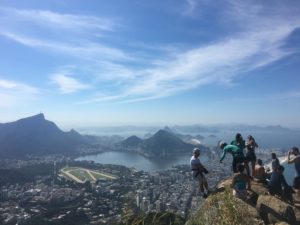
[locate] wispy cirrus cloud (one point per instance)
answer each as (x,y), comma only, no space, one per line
(257,41)
(9,85)
(86,50)
(68,84)
(218,63)
(67,34)
(13,93)
(56,20)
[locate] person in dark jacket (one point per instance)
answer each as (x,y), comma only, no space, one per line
(277,182)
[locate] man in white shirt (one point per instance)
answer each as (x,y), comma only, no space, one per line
(198,172)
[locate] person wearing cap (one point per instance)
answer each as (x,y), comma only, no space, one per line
(198,172)
(237,154)
(296,160)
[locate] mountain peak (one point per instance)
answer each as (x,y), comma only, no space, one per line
(36,135)
(37,117)
(40,116)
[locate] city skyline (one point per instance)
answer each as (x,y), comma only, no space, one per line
(175,62)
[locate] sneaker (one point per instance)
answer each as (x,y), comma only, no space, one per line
(204,195)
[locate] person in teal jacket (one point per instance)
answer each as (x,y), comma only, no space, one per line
(240,142)
(237,155)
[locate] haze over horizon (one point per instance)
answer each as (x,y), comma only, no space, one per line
(174,62)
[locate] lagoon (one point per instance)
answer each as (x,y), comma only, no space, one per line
(139,162)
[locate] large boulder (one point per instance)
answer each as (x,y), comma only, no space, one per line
(224,184)
(273,210)
(223,208)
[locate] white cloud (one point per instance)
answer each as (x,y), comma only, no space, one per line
(260,40)
(86,50)
(68,84)
(218,63)
(9,85)
(191,6)
(58,20)
(14,93)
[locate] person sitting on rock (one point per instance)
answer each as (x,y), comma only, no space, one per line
(237,154)
(198,172)
(259,174)
(240,183)
(277,182)
(296,160)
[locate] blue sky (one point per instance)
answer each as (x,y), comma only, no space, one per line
(116,62)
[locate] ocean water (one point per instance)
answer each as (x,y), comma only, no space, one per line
(266,140)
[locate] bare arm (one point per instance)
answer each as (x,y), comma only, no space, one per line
(289,158)
(233,182)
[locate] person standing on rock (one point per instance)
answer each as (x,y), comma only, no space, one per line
(296,160)
(241,144)
(239,141)
(198,172)
(275,162)
(250,155)
(237,154)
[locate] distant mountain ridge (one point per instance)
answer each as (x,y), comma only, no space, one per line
(162,143)
(36,135)
(131,141)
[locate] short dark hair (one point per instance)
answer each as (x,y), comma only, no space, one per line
(259,162)
(274,154)
(241,168)
(295,149)
(238,136)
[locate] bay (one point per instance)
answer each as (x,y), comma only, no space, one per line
(140,162)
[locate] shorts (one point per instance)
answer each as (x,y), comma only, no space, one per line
(242,194)
(199,178)
(296,183)
(250,157)
(236,161)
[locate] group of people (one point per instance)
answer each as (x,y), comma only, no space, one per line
(274,179)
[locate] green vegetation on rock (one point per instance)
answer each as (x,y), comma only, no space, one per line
(224,209)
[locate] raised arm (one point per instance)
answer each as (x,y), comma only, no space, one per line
(293,160)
